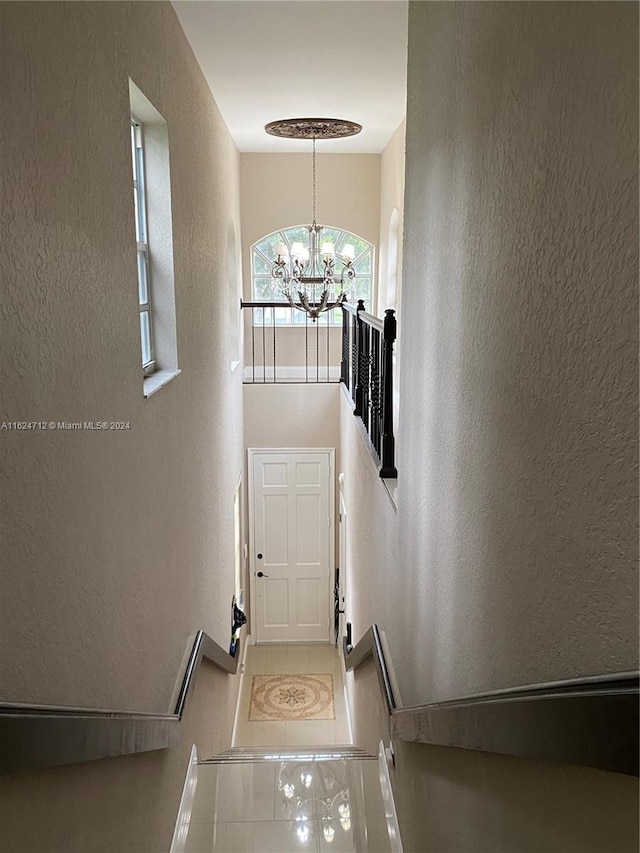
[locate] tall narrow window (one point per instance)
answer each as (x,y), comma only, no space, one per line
(142,242)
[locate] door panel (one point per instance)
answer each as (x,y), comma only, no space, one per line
(276,602)
(309,550)
(292,526)
(308,598)
(275,522)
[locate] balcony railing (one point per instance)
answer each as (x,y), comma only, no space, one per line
(367,373)
(289,352)
(360,355)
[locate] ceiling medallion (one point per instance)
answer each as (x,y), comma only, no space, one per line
(313,128)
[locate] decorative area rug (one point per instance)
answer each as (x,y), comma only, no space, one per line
(292,697)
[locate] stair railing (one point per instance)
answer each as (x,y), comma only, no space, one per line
(590,721)
(33,737)
(367,373)
(305,352)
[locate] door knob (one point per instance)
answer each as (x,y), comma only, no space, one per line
(262,575)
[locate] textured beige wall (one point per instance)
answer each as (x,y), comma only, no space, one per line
(517,515)
(117,546)
(296,415)
(457,801)
(392,166)
(513,558)
(372,542)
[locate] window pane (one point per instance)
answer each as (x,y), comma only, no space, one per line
(263,291)
(145,337)
(299,234)
(363,264)
(143,287)
(136,214)
(133,153)
(268,245)
(330,235)
(260,265)
(361,288)
(283,316)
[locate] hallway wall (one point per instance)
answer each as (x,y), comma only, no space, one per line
(517,519)
(117,546)
(513,556)
(114,542)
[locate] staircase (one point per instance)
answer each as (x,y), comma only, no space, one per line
(281,799)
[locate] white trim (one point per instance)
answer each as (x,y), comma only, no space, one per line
(393,828)
(245,645)
(158,380)
(181,829)
(251,452)
(293,373)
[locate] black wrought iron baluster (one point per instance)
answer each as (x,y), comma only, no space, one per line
(388,441)
(364,370)
(360,367)
(274,344)
(375,391)
(264,356)
(317,351)
(306,347)
(344,364)
(328,354)
(253,344)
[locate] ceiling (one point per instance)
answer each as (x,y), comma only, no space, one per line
(266,60)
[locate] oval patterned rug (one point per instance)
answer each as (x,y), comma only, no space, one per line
(292,697)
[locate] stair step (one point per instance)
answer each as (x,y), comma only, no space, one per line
(331,752)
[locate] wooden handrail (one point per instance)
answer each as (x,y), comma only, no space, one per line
(590,721)
(33,737)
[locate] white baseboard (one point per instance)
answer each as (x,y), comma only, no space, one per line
(244,646)
(393,828)
(291,374)
(181,829)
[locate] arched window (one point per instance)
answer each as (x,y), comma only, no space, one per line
(263,252)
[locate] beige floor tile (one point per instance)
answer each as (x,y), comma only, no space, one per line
(287,662)
(256,659)
(245,792)
(341,733)
(265,733)
(338,837)
(323,659)
(204,798)
(244,697)
(310,733)
(281,836)
(200,838)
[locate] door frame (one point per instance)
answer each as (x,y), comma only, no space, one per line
(251,453)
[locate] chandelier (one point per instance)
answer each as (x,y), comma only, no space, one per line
(307,276)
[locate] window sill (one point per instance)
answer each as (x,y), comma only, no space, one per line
(157,380)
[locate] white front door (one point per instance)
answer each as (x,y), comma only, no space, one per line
(292,542)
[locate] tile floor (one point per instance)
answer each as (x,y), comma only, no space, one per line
(289,659)
(283,806)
